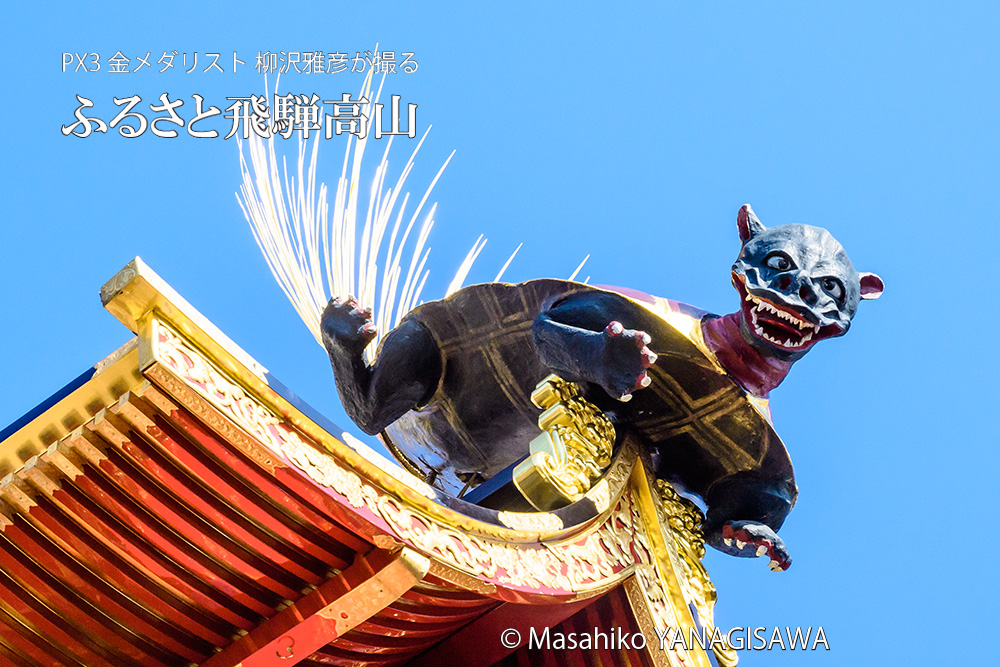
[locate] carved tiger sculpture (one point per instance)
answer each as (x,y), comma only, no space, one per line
(449,387)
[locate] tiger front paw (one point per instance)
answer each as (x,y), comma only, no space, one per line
(346,324)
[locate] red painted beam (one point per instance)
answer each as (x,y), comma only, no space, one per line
(372,583)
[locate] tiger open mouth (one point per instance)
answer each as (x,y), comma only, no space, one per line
(777,325)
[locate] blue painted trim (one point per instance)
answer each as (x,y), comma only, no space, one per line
(32,414)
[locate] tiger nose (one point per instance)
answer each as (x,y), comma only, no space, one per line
(807,294)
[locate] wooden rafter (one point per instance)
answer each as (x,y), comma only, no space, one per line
(374,581)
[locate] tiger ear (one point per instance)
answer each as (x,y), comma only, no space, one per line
(871,286)
(748,224)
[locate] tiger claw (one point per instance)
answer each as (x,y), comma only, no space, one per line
(751,539)
(345,323)
(622,369)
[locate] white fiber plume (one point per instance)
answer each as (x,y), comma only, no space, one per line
(315,253)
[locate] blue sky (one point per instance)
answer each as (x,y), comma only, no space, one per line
(634,134)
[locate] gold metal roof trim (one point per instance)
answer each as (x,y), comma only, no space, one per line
(181,380)
(113,376)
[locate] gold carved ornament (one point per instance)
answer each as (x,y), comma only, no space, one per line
(681,522)
(572,451)
(567,459)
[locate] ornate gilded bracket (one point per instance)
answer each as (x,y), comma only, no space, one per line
(671,588)
(572,452)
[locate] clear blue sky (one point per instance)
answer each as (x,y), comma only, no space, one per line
(623,131)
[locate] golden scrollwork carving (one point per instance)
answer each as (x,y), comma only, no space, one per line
(228,398)
(652,584)
(389,467)
(221,425)
(615,478)
(650,601)
(573,450)
(682,520)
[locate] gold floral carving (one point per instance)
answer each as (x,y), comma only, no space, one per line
(683,517)
(615,479)
(626,544)
(231,411)
(655,599)
(573,450)
(681,520)
(224,396)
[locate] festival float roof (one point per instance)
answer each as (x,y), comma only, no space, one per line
(176,505)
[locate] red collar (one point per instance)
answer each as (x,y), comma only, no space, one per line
(753,371)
